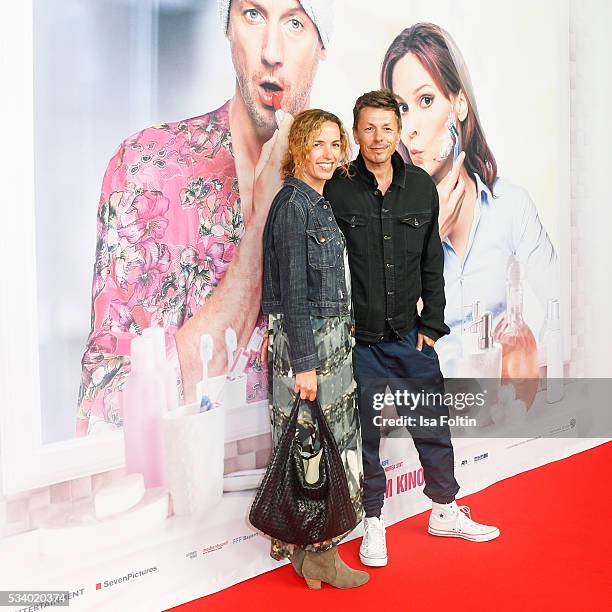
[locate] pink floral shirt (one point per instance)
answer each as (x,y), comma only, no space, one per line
(168,225)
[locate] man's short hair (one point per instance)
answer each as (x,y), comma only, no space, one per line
(380,98)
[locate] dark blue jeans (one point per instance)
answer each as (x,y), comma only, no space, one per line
(401,367)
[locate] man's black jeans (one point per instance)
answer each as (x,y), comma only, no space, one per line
(400,366)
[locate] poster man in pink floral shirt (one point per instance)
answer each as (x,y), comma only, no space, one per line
(182,211)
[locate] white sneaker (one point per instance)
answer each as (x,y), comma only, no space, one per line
(457,523)
(373,549)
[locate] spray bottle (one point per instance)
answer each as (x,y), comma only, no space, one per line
(519,349)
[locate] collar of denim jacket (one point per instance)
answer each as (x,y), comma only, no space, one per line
(304,188)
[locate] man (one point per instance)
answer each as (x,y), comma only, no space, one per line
(183,208)
(388,212)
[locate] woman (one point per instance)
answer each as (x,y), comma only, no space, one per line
(484,219)
(307,293)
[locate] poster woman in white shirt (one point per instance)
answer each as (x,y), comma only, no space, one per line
(484,219)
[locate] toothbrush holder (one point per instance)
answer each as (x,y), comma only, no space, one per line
(194,453)
(236,391)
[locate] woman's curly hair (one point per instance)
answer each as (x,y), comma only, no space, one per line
(305,128)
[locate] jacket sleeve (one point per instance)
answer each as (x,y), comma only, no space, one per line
(432,279)
(291,247)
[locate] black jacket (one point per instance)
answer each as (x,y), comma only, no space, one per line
(394,249)
(303,267)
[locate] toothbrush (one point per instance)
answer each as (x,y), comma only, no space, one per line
(205,403)
(231,342)
(277,99)
(206,352)
(240,364)
(255,341)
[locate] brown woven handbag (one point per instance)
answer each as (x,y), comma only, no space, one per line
(288,505)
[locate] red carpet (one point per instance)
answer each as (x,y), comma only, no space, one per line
(554,554)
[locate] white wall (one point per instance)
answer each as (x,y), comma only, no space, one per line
(591,194)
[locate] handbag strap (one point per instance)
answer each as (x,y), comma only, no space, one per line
(291,425)
(318,418)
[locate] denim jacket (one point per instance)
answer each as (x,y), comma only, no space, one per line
(303,271)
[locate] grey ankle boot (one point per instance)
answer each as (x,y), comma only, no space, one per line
(328,567)
(297,559)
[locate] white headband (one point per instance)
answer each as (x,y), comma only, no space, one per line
(321,12)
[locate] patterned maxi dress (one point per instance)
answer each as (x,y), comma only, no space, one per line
(336,392)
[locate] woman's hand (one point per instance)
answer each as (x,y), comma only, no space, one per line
(306,384)
(451,193)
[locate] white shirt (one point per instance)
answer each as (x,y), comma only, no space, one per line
(504,225)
